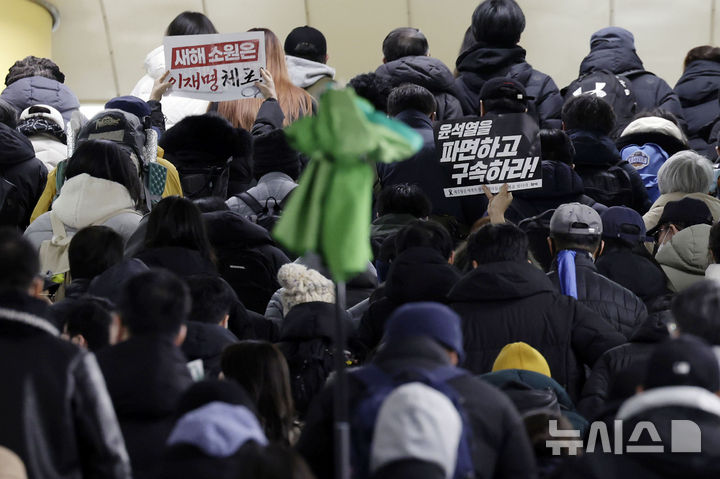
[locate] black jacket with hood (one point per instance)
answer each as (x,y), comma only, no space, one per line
(507,301)
(697,89)
(427,72)
(482,62)
(56,412)
(206,341)
(19,166)
(618,305)
(500,447)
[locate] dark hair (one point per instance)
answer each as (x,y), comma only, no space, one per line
(498,242)
(714,243)
(106,160)
(704,52)
(556,145)
(212,298)
(19,259)
(424,234)
(572,241)
(373,88)
(403,198)
(696,310)
(190,23)
(31,66)
(498,23)
(154,302)
(409,96)
(588,112)
(93,250)
(404,42)
(208,204)
(8,114)
(91,318)
(176,221)
(468,41)
(260,368)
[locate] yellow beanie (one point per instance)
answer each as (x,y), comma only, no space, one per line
(521,356)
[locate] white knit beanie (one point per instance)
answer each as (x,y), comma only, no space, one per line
(303,285)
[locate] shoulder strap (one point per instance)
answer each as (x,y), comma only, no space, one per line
(112,215)
(250,200)
(58,229)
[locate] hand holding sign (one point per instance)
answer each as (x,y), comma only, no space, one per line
(160,87)
(267,88)
(498,204)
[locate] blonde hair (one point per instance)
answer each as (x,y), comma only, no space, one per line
(294,102)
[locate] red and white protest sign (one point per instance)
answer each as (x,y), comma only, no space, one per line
(216,67)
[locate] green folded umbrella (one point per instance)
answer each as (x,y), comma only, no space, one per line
(330,211)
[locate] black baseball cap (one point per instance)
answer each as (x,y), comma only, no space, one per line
(684,361)
(686,212)
(503,87)
(310,38)
(621,222)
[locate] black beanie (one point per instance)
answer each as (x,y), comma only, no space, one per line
(271,152)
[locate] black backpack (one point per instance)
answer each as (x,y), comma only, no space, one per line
(251,275)
(609,186)
(205,181)
(310,363)
(10,208)
(614,89)
(264,215)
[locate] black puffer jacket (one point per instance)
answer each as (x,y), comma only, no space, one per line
(146,376)
(594,151)
(207,341)
(183,262)
(56,412)
(613,49)
(619,306)
(560,185)
(500,446)
(506,302)
(417,274)
(482,62)
(631,356)
(697,89)
(632,271)
(427,72)
(19,166)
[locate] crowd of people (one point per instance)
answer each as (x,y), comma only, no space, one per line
(151,326)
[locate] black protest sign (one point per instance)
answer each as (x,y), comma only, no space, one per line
(491,151)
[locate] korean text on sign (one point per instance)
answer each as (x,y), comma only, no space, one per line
(216,67)
(476,152)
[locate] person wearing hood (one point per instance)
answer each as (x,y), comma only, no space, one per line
(676,413)
(506,299)
(57,414)
(174,107)
(588,121)
(613,49)
(22,174)
(33,81)
(684,175)
(685,257)
(497,26)
(146,371)
(406,59)
(576,240)
(306,57)
(45,128)
(697,89)
(101,188)
(647,143)
(561,183)
(421,271)
(425,336)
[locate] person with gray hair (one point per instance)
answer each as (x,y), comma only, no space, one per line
(685,174)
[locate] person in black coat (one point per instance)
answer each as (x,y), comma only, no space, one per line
(406,60)
(575,238)
(613,49)
(697,89)
(505,299)
(22,175)
(560,183)
(497,26)
(588,121)
(56,410)
(427,336)
(421,271)
(146,373)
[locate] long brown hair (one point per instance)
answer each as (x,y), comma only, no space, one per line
(295,102)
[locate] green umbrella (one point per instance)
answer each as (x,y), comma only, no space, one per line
(330,211)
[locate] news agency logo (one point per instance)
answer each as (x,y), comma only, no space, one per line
(685,437)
